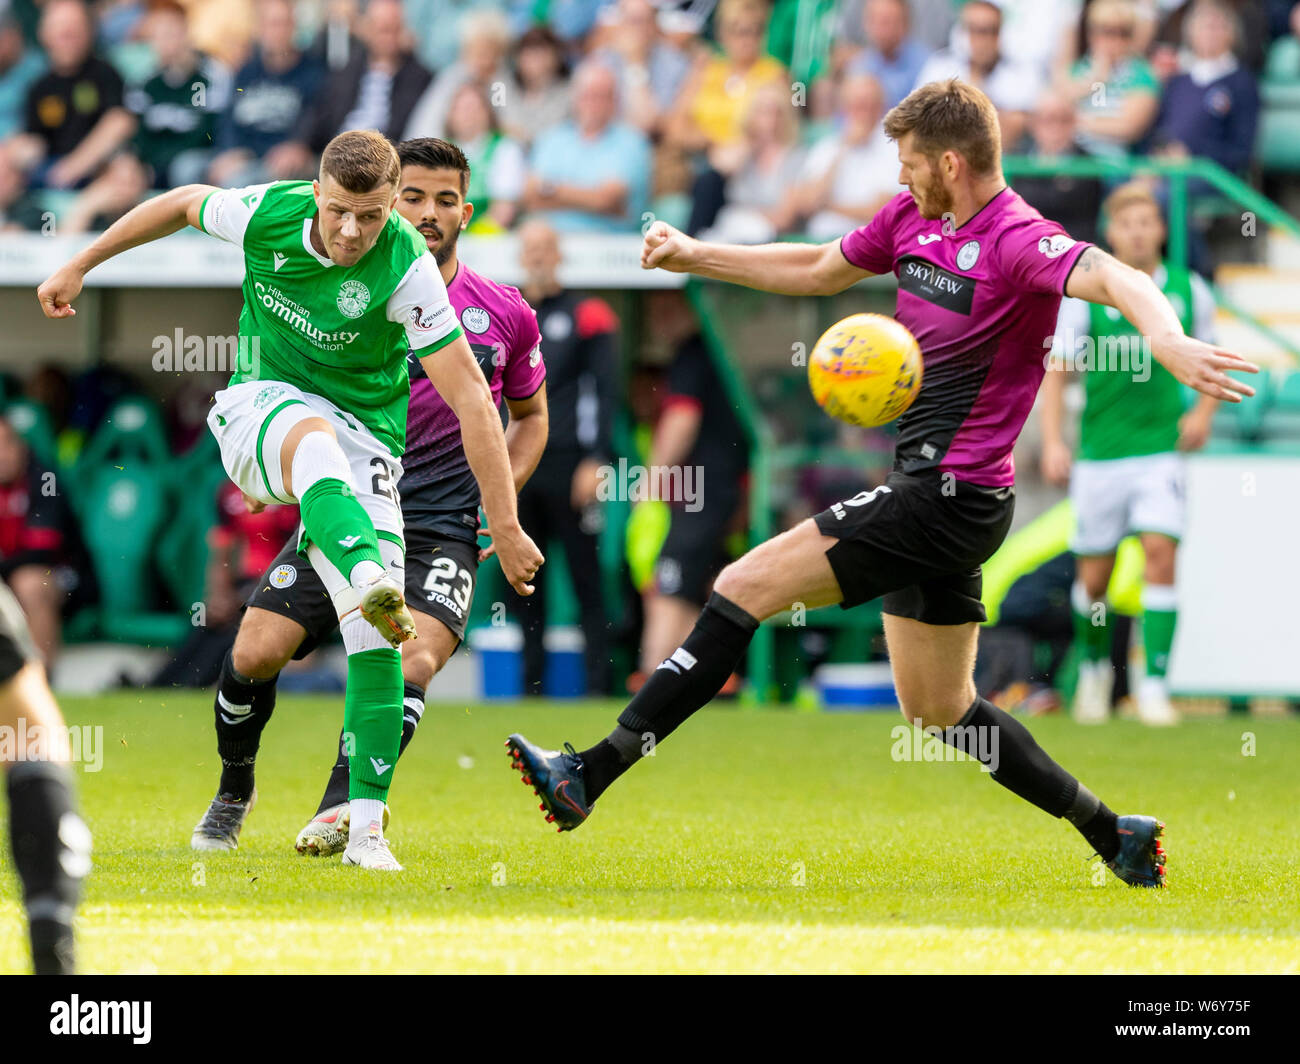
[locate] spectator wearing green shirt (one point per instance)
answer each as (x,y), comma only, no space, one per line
(175,109)
(1116,93)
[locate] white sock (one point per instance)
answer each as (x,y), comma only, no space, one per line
(363,572)
(364,813)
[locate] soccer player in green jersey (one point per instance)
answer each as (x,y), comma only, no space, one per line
(337,287)
(1129,476)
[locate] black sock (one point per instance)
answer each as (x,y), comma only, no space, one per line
(1023,767)
(336,790)
(51,848)
(601,766)
(693,673)
(242,708)
(683,683)
(412,711)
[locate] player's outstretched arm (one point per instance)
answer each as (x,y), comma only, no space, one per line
(151,220)
(787,269)
(455,374)
(1099,278)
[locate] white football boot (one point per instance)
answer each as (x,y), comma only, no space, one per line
(383,604)
(371,851)
(327,832)
(1092,692)
(1153,704)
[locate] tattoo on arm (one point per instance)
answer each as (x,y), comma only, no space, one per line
(1090,258)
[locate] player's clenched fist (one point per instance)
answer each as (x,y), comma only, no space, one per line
(520,559)
(59,290)
(667,248)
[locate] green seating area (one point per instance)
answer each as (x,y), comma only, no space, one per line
(143,514)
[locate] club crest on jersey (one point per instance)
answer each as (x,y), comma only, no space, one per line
(353,299)
(267,396)
(475,319)
(1055,246)
(283,576)
(968,255)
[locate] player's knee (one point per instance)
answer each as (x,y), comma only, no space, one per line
(1160,554)
(421,666)
(928,708)
(737,584)
(264,646)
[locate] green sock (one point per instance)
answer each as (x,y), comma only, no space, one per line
(1091,627)
(1159,619)
(339,525)
(372,721)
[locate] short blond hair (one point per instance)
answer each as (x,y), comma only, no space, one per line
(1132,194)
(950,116)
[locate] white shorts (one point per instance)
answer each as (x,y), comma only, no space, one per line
(1123,496)
(252,420)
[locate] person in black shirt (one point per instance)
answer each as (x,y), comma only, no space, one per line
(1074,202)
(579,335)
(702,445)
(75,120)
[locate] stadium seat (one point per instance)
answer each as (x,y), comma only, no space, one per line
(194,478)
(132,432)
(1277,142)
(32,422)
(124,512)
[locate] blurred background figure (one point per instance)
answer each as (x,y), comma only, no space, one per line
(20,65)
(650,68)
(697,436)
(1129,479)
(852,171)
(592,173)
(580,340)
(35,529)
(978,58)
(757,203)
(497,166)
(257,132)
(712,104)
(541,96)
(1116,93)
(892,55)
(378,89)
(484,46)
(74,119)
(1075,202)
(176,108)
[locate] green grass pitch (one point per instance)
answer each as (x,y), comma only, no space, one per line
(753,842)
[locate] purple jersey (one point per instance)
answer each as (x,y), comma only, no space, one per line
(981,301)
(438,490)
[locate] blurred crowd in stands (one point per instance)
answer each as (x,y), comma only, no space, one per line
(744,119)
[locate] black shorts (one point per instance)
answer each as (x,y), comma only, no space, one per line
(440,576)
(694,550)
(919,541)
(16,646)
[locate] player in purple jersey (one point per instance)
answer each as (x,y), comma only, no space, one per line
(980,277)
(290,613)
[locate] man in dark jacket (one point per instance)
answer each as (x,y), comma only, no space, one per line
(377,89)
